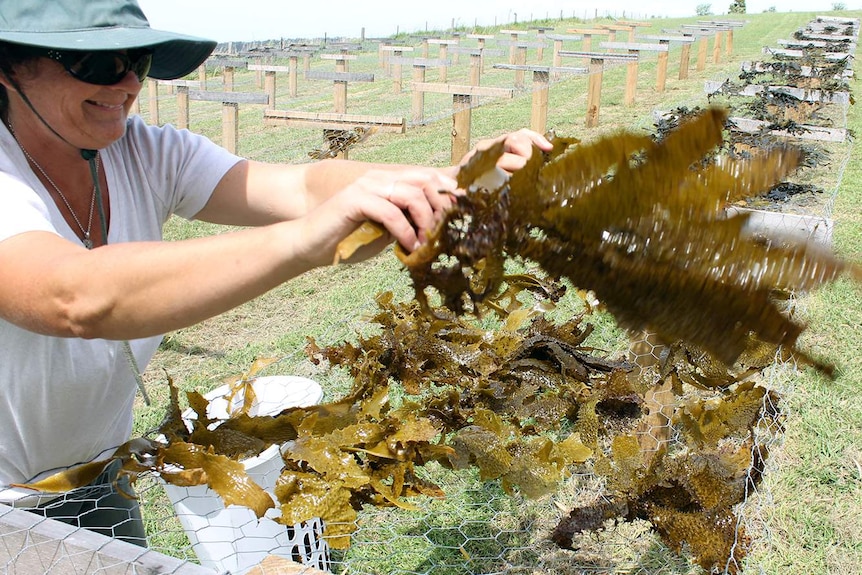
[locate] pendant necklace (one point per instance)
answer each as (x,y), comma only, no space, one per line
(86,240)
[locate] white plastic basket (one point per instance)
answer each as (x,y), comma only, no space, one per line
(232,539)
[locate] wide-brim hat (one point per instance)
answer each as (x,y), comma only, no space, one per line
(101,25)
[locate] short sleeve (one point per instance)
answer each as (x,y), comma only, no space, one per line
(21,209)
(182,168)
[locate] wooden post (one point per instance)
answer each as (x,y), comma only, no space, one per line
(340,79)
(420,66)
(269,87)
(293,64)
(462,98)
(594,89)
(594,92)
(228,78)
(701,53)
(153,101)
(481,40)
(541,34)
(587,35)
(541,82)
(229,65)
(340,88)
(418,115)
(230,111)
(269,83)
(684,60)
(395,62)
(520,60)
(631,80)
(475,68)
(661,67)
(686,39)
(558,40)
(513,35)
(636,48)
(556,61)
(443,56)
(182,91)
(703,32)
(632,25)
(183,107)
(230,120)
(258,78)
(614,28)
(728,26)
(716,49)
(461,126)
(202,76)
(539,111)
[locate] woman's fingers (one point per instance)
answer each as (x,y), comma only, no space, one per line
(408,203)
(517,148)
(422,196)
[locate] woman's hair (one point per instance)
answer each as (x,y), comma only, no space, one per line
(11,56)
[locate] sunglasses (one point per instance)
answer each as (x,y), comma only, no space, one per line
(103,68)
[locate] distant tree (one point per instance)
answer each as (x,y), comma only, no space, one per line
(770,9)
(737,7)
(839,6)
(703,10)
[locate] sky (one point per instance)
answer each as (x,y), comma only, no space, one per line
(249,20)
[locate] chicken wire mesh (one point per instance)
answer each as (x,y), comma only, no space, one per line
(477,528)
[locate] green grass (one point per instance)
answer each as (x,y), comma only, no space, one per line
(807,518)
(814,526)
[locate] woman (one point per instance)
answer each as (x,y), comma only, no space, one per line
(84,192)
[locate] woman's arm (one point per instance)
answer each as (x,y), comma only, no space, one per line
(299,215)
(256,193)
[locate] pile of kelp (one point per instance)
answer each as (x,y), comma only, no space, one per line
(639,222)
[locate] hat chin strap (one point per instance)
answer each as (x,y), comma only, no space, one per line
(86,154)
(90,157)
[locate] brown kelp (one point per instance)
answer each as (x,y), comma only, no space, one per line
(641,223)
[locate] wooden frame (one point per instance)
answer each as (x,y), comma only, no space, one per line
(594,90)
(541,84)
(462,104)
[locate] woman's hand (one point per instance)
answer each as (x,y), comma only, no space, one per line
(517,148)
(405,204)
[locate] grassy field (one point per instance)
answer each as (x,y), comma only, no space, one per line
(809,515)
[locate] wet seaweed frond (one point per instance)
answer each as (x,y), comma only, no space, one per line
(642,224)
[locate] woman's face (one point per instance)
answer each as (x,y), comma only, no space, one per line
(88,116)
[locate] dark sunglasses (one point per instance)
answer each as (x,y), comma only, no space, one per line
(103,68)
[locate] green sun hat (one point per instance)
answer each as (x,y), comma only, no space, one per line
(93,25)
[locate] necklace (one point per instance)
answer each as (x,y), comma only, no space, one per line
(88,243)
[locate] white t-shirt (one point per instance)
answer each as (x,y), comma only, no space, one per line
(65,401)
